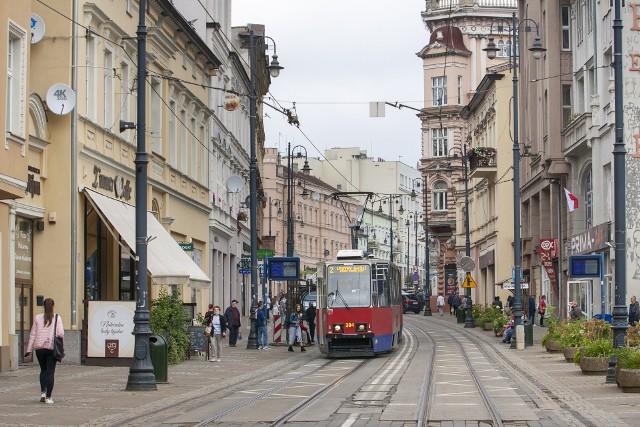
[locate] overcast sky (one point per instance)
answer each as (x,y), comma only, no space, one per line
(339,55)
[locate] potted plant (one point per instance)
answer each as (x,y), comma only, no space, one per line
(593,358)
(550,340)
(571,337)
(628,369)
(477,310)
(499,325)
(242,216)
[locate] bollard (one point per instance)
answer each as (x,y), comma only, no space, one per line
(277,329)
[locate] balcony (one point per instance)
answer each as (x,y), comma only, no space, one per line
(483,162)
(446,4)
(576,138)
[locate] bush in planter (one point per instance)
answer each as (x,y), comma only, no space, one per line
(632,338)
(555,330)
(500,323)
(168,317)
(477,310)
(602,347)
(573,334)
(628,358)
(596,328)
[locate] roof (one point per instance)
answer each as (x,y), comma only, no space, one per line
(448,36)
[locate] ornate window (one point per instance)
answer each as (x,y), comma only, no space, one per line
(439,201)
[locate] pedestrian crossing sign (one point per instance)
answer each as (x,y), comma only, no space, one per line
(469,282)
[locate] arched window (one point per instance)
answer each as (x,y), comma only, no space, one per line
(439,201)
(588,200)
(155,209)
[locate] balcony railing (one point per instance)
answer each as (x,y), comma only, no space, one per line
(445,4)
(482,162)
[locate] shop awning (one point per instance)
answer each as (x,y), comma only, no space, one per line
(167,263)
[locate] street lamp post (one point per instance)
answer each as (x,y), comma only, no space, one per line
(407,224)
(274,70)
(306,170)
(468,321)
(141,376)
(620,324)
(537,51)
(427,273)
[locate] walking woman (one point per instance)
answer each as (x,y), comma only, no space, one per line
(218,325)
(41,340)
(294,328)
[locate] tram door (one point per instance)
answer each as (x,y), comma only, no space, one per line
(582,293)
(321,298)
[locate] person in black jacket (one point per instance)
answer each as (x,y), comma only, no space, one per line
(232,315)
(218,325)
(311,320)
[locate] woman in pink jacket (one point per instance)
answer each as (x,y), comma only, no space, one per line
(41,340)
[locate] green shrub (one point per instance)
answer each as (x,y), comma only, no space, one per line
(628,357)
(555,330)
(573,334)
(500,323)
(477,311)
(633,336)
(168,319)
(490,314)
(602,347)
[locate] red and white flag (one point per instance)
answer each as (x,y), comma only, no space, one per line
(572,201)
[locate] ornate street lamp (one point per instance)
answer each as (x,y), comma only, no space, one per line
(274,71)
(537,51)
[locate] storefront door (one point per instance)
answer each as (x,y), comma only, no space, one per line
(24,318)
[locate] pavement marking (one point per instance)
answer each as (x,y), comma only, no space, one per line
(352,418)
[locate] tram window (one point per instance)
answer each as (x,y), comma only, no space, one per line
(349,285)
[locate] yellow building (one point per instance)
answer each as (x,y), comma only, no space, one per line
(71,236)
(18,161)
(489,154)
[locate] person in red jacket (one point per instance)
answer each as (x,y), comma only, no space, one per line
(542,309)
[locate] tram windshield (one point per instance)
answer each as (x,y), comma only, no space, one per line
(349,285)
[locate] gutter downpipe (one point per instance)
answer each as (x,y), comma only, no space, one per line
(74,166)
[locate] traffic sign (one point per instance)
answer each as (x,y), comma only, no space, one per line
(469,282)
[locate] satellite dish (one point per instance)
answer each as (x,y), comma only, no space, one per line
(61,99)
(37,28)
(234,184)
(230,101)
(315,196)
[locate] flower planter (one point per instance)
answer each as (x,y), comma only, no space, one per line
(628,380)
(553,346)
(569,352)
(594,365)
(488,326)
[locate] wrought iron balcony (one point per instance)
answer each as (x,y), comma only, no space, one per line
(482,162)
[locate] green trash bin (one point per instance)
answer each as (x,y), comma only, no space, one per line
(528,334)
(461,315)
(159,354)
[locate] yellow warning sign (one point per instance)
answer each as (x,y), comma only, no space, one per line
(469,282)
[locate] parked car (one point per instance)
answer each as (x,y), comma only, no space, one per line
(411,302)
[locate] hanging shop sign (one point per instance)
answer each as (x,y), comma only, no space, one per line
(118,185)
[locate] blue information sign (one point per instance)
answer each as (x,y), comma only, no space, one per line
(283,268)
(585,266)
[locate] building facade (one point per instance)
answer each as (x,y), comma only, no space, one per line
(75,238)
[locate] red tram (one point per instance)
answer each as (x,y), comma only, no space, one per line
(359,305)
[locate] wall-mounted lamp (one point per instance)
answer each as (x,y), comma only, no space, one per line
(126,125)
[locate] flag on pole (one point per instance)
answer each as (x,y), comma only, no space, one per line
(572,201)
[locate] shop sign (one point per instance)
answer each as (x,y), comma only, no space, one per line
(110,329)
(548,250)
(33,186)
(24,249)
(589,241)
(120,187)
(186,246)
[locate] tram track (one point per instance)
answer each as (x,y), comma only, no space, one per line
(425,413)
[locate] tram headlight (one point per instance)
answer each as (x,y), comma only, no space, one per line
(337,328)
(361,327)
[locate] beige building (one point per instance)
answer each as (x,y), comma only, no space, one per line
(454,65)
(20,166)
(488,146)
(75,225)
(320,222)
